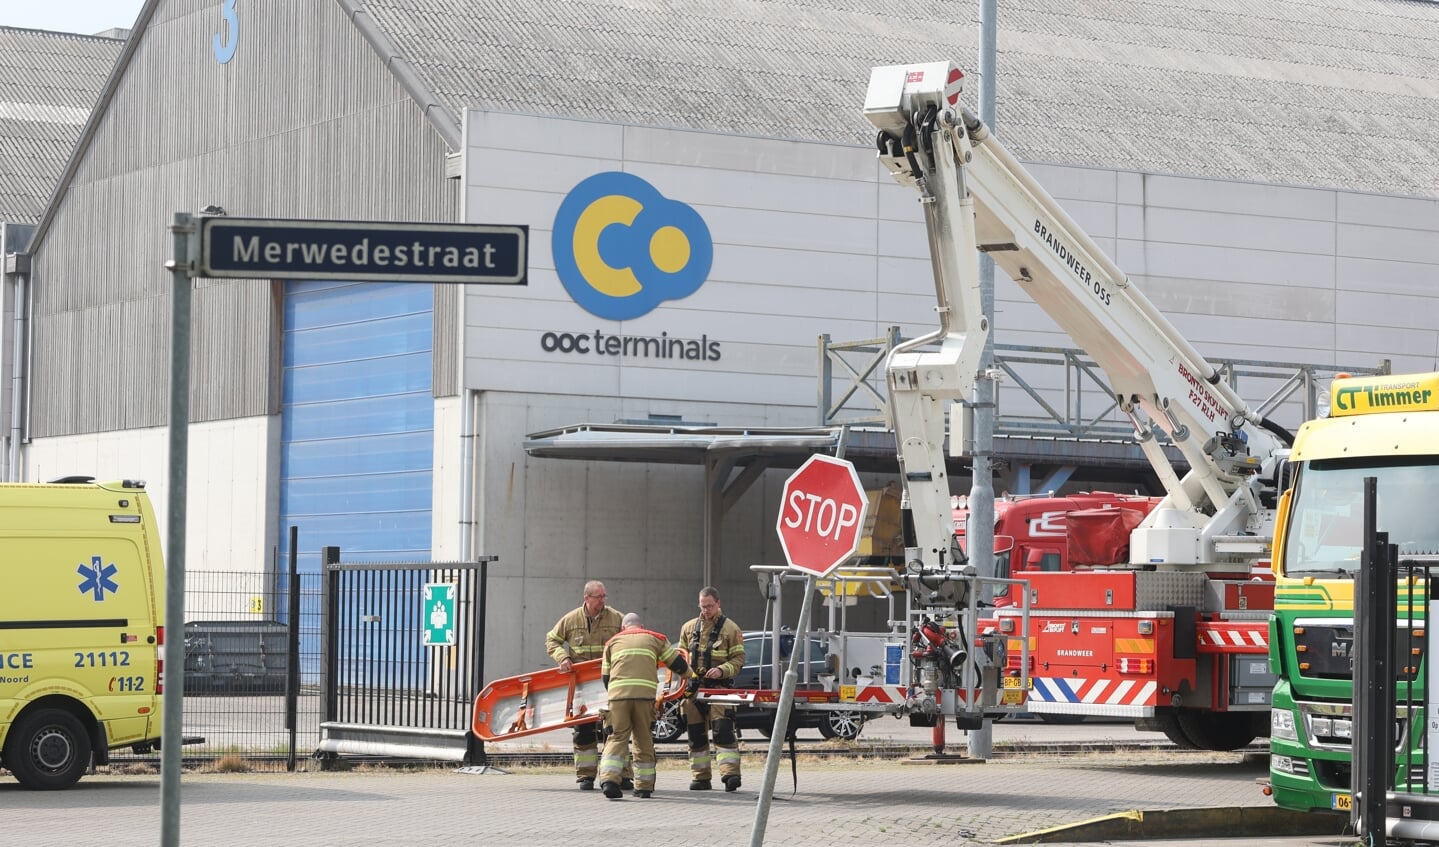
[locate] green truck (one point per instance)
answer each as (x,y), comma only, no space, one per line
(1386,427)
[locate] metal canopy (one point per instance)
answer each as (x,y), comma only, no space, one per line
(735,457)
(678,445)
(871,449)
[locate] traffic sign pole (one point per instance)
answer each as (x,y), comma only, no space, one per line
(821,519)
(781,720)
(218,246)
(172,700)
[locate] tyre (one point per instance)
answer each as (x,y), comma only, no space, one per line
(1219,730)
(48,749)
(767,729)
(1168,723)
(669,724)
(841,723)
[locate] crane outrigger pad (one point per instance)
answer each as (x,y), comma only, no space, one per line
(543,701)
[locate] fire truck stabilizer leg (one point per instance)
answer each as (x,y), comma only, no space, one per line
(981,741)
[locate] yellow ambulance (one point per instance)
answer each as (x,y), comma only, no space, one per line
(81,626)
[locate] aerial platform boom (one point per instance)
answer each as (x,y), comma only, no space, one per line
(978,198)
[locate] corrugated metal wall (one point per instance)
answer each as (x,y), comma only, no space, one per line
(305,121)
(445,381)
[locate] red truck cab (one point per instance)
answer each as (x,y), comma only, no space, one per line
(1052,534)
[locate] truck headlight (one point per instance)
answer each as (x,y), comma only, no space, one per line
(1281,725)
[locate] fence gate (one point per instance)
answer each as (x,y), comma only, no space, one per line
(402,658)
(1395,772)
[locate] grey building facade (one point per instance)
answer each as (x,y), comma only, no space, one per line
(1266,176)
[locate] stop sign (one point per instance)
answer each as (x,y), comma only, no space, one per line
(821,515)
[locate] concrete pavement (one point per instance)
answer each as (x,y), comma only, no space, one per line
(838,802)
(1025,735)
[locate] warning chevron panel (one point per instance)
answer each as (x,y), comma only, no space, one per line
(1093,691)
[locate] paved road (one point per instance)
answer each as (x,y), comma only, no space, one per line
(1008,736)
(838,802)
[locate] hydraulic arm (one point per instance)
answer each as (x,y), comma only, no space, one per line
(978,198)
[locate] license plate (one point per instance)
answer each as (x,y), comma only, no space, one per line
(847,692)
(1340,802)
(1012,682)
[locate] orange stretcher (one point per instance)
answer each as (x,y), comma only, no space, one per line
(551,699)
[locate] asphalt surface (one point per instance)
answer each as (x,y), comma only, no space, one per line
(1042,777)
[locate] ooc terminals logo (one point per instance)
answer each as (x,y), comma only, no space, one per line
(621,248)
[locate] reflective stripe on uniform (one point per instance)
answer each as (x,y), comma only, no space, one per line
(580,637)
(727,758)
(633,689)
(638,651)
(700,764)
(630,659)
(612,764)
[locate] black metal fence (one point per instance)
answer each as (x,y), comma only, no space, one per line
(271,660)
(1394,783)
(403,652)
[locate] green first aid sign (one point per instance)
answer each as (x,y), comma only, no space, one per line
(439,614)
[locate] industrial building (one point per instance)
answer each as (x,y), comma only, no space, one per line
(1266,175)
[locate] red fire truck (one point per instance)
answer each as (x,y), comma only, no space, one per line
(1150,611)
(1103,643)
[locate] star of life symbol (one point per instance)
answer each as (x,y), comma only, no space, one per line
(98,578)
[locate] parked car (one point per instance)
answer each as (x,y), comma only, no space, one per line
(758,673)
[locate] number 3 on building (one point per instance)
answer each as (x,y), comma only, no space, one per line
(225,50)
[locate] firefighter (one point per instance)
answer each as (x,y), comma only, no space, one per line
(716,647)
(580,636)
(628,673)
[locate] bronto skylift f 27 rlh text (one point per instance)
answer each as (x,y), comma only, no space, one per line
(1176,637)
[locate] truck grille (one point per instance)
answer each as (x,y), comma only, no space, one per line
(1326,651)
(1330,726)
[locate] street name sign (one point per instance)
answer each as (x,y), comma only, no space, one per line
(375,251)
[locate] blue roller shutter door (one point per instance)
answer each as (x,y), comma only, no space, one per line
(357,423)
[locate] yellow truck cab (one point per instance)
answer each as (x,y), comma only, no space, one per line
(81,626)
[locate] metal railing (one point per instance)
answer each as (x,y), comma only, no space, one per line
(1059,391)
